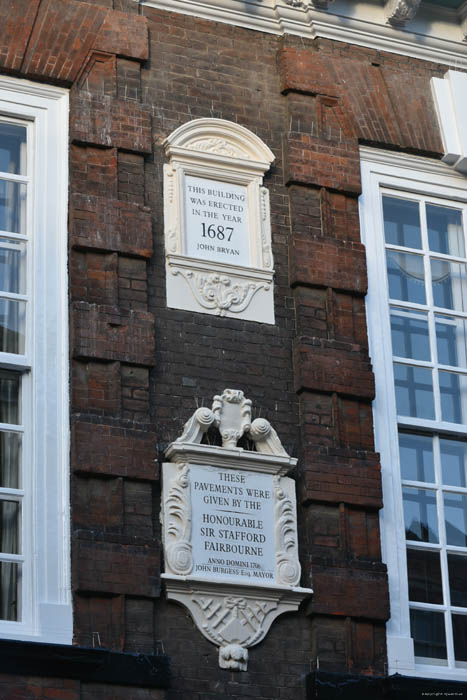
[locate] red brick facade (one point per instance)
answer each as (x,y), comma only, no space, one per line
(138,369)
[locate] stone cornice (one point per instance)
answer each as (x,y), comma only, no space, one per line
(361,23)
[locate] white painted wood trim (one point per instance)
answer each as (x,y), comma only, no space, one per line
(48,613)
(406,174)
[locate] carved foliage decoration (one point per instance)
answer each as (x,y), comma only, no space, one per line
(178,527)
(316,4)
(218,292)
(399,12)
(287,564)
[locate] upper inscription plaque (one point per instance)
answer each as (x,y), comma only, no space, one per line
(216,221)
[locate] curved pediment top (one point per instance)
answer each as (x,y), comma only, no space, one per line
(219,137)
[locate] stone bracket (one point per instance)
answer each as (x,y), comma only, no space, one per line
(233,617)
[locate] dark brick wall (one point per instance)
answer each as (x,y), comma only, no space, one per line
(138,369)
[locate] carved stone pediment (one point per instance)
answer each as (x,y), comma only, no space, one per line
(230,527)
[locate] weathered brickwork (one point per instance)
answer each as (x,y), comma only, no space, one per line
(139,369)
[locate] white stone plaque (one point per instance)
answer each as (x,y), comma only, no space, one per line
(216,221)
(232,524)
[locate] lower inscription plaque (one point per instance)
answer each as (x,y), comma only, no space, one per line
(232,524)
(230,527)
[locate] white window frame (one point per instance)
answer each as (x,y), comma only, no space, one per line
(46,596)
(412,175)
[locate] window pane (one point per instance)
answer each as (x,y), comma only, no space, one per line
(455,514)
(449,284)
(424,572)
(10,527)
(409,332)
(12,148)
(427,630)
(401,222)
(10,591)
(453,392)
(12,326)
(12,206)
(10,460)
(457,579)
(9,397)
(451,340)
(445,234)
(453,461)
(421,519)
(406,277)
(416,457)
(414,391)
(12,266)
(459,630)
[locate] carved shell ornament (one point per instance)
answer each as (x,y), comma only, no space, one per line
(218,146)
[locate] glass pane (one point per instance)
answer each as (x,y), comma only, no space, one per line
(416,457)
(13,148)
(445,234)
(10,532)
(457,579)
(451,340)
(12,326)
(455,514)
(453,461)
(459,631)
(10,591)
(12,266)
(12,206)
(401,222)
(424,571)
(414,391)
(409,332)
(10,460)
(9,397)
(453,392)
(449,285)
(427,630)
(406,277)
(421,519)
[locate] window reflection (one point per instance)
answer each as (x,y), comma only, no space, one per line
(453,461)
(414,391)
(402,222)
(421,519)
(406,277)
(409,331)
(445,234)
(428,632)
(13,148)
(424,571)
(416,457)
(455,514)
